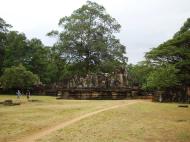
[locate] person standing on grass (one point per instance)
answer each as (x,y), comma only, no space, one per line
(18,93)
(28,94)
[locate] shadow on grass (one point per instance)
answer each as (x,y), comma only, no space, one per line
(16,102)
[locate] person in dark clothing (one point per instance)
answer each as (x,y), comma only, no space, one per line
(28,94)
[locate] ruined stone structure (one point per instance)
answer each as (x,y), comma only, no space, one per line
(117,79)
(98,86)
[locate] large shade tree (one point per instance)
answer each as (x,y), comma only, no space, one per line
(88,42)
(32,54)
(16,49)
(175,51)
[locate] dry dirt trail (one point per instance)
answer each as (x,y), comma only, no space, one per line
(41,134)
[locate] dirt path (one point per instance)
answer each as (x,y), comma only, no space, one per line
(34,137)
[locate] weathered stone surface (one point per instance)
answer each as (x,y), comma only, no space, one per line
(103,80)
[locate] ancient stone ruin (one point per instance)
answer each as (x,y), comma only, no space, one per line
(97,86)
(117,79)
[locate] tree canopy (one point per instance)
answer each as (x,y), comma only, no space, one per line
(3,40)
(87,40)
(18,77)
(138,73)
(86,44)
(176,52)
(162,78)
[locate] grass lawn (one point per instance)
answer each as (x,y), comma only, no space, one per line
(139,122)
(30,117)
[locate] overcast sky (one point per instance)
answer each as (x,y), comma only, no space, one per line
(145,23)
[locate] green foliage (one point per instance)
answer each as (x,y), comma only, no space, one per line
(139,73)
(184,28)
(30,53)
(57,67)
(87,41)
(176,52)
(18,77)
(3,41)
(15,50)
(4,26)
(162,78)
(37,59)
